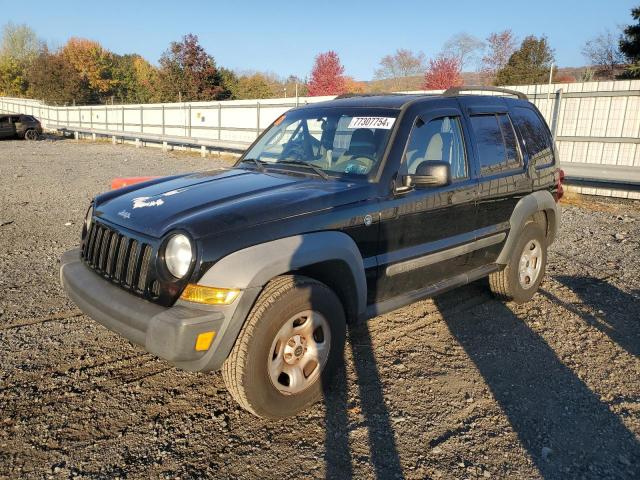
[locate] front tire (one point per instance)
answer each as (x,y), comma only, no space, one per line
(291,341)
(522,276)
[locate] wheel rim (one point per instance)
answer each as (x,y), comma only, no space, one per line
(299,352)
(31,135)
(530,264)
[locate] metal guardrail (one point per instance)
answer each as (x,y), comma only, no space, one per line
(165,140)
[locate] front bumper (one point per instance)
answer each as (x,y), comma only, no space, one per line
(170,333)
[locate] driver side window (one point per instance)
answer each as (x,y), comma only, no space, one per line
(438,139)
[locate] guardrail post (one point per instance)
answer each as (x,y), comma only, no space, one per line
(257,119)
(165,146)
(91,117)
(189,121)
(141,119)
(203,151)
(219,121)
(123,118)
(114,140)
(163,120)
(77,136)
(106,117)
(555,118)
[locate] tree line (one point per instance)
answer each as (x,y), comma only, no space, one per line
(84,72)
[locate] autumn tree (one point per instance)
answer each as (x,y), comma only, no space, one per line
(327,75)
(354,86)
(399,66)
(53,79)
(93,63)
(499,48)
(528,65)
(442,73)
(630,45)
(189,73)
(463,47)
(603,52)
(19,46)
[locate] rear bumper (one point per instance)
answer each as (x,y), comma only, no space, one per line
(170,333)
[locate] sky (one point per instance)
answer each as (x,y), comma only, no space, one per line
(284,37)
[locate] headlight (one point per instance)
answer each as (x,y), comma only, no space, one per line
(178,254)
(88,219)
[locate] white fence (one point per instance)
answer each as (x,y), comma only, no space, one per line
(596,125)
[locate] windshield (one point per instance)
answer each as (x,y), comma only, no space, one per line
(339,141)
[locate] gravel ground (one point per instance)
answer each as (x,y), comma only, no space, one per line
(461,386)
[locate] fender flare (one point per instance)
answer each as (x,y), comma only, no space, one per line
(256,265)
(540,201)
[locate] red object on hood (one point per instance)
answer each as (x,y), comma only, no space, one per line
(120,182)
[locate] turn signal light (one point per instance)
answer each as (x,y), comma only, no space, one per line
(203,341)
(209,295)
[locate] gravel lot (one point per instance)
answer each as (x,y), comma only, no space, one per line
(459,387)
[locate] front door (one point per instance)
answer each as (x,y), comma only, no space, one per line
(423,230)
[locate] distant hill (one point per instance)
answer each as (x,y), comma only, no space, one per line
(566,74)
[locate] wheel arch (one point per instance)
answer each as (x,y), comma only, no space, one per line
(330,257)
(527,207)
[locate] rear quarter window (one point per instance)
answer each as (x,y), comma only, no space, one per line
(497,144)
(536,136)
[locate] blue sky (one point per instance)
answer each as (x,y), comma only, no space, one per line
(284,37)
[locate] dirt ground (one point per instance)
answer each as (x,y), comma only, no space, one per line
(462,386)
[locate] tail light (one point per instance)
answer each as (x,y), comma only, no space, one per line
(559,187)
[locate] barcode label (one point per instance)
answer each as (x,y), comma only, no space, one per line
(384,123)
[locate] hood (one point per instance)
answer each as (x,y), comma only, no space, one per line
(211,202)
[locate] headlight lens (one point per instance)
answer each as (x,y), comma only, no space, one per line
(178,254)
(88,219)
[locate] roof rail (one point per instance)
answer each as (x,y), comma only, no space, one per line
(450,92)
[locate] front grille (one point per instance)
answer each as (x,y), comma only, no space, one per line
(123,260)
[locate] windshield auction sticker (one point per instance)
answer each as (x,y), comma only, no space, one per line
(384,123)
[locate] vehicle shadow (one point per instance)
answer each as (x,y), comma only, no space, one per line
(614,312)
(383,452)
(567,431)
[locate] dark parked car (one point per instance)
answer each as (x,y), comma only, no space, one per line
(21,126)
(339,211)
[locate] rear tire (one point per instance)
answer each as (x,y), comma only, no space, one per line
(294,318)
(522,276)
(31,135)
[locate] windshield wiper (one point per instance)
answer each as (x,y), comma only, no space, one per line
(258,163)
(298,163)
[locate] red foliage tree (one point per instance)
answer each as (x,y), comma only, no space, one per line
(327,75)
(442,73)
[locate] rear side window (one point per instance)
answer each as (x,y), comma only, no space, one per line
(536,136)
(497,144)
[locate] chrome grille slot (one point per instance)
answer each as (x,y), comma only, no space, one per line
(132,263)
(121,259)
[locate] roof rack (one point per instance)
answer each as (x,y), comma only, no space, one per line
(450,92)
(354,95)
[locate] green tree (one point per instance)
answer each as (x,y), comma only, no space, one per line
(19,46)
(189,73)
(630,45)
(528,65)
(252,86)
(53,79)
(134,79)
(13,78)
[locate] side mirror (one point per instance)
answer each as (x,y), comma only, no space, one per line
(432,173)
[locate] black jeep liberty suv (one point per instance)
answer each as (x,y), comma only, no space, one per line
(339,211)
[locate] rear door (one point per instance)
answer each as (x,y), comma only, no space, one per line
(502,176)
(421,230)
(6,127)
